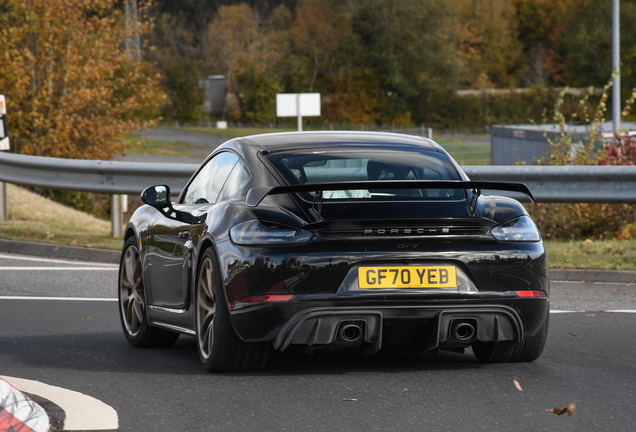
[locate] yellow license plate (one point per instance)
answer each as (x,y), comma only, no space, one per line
(407,277)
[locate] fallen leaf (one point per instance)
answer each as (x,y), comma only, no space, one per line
(405,390)
(350,400)
(86,319)
(558,411)
(586,242)
(517,385)
(574,334)
(590,315)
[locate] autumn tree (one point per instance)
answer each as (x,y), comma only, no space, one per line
(411,47)
(491,51)
(587,46)
(242,49)
(317,32)
(72,89)
(176,54)
(542,25)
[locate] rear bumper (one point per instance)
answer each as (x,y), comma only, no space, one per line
(317,326)
(419,326)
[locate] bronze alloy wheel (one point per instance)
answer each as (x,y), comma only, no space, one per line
(206,309)
(131,291)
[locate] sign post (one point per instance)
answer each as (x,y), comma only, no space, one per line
(4,145)
(298,105)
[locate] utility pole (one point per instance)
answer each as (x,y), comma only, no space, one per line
(132,29)
(616,67)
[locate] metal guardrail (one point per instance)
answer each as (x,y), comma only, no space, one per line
(107,177)
(560,184)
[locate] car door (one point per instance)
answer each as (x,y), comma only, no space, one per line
(170,241)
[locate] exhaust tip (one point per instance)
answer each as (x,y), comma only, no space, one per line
(463,331)
(350,332)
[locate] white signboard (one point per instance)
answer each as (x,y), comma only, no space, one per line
(4,140)
(298,105)
(287,104)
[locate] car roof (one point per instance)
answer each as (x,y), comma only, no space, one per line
(290,140)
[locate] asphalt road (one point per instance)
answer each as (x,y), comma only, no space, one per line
(79,345)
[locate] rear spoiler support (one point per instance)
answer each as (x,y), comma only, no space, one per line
(257,194)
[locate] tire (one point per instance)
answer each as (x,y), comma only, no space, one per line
(132,303)
(220,348)
(528,350)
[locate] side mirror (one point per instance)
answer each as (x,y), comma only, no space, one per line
(157,196)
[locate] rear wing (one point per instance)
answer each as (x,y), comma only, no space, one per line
(257,194)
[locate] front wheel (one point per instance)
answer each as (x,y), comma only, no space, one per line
(132,303)
(220,348)
(528,350)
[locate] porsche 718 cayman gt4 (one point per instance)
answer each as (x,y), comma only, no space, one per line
(334,240)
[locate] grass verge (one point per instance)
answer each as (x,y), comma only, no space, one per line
(232,132)
(38,219)
(465,153)
(34,218)
(592,254)
(135,144)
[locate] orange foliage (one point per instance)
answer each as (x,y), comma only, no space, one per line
(488,41)
(240,44)
(355,101)
(542,23)
(71,90)
(317,32)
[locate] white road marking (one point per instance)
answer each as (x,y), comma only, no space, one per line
(556,311)
(620,311)
(593,283)
(59,268)
(82,412)
(58,298)
(53,260)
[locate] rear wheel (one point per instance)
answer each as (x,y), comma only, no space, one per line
(528,350)
(220,348)
(132,303)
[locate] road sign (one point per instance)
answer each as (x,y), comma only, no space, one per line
(298,105)
(287,104)
(4,139)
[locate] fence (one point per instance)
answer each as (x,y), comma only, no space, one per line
(564,184)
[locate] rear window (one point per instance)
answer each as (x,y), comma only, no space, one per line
(344,165)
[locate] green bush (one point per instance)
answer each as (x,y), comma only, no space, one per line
(577,221)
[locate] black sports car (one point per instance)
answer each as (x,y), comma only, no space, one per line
(334,240)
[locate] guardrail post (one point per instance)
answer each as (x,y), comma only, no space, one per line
(116,216)
(4,204)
